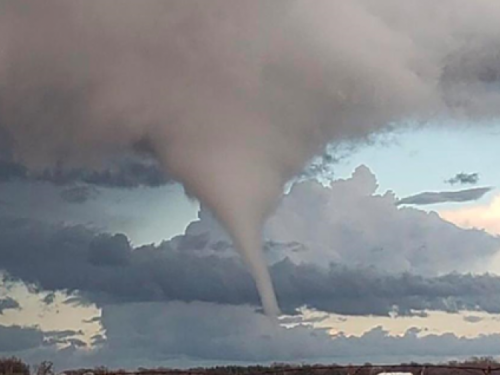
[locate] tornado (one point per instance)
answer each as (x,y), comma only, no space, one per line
(234,97)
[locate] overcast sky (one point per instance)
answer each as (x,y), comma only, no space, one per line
(381,232)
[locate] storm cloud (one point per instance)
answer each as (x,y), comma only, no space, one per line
(233,99)
(179,333)
(78,194)
(245,91)
(127,173)
(104,268)
(327,263)
(15,338)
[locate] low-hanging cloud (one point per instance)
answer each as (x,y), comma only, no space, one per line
(78,194)
(326,263)
(245,91)
(17,339)
(128,173)
(93,265)
(238,334)
(179,335)
(445,196)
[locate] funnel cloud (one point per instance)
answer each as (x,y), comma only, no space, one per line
(233,98)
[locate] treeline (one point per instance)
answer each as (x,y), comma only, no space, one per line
(473,366)
(15,366)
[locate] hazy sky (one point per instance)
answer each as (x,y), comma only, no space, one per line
(384,248)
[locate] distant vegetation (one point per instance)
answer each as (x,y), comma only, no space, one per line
(15,366)
(473,366)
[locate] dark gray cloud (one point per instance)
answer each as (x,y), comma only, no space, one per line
(105,268)
(6,145)
(464,178)
(128,173)
(140,212)
(105,250)
(201,334)
(232,334)
(78,194)
(365,291)
(445,196)
(7,304)
(15,338)
(306,237)
(77,259)
(11,171)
